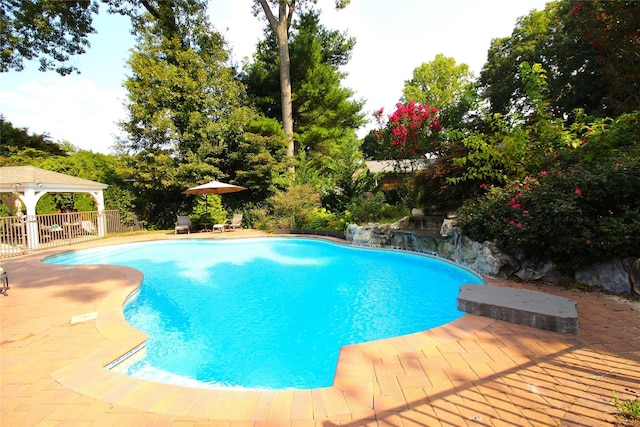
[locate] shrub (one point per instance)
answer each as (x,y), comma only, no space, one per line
(366,207)
(294,207)
(572,217)
(319,219)
(208,209)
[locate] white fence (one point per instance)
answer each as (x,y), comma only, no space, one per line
(21,235)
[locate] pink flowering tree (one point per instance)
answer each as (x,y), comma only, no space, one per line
(411,137)
(409,133)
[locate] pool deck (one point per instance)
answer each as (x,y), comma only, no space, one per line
(474,371)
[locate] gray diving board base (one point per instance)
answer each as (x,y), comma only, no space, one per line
(521,306)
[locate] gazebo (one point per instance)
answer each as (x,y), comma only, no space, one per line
(28,184)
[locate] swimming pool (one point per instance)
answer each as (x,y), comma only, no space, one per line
(272,313)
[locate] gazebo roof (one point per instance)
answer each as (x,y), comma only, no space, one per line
(18,178)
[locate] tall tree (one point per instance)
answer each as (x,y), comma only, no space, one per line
(499,78)
(181,96)
(280,27)
(612,29)
(589,49)
(440,83)
(325,115)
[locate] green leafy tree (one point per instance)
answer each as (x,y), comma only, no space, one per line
(589,49)
(612,30)
(254,158)
(18,147)
(208,209)
(181,100)
(52,32)
(151,174)
(280,26)
(499,78)
(323,111)
(49,31)
(349,178)
(513,146)
(440,83)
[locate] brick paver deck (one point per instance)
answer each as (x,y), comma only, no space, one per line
(473,371)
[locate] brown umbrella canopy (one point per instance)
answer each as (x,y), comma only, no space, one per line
(214,187)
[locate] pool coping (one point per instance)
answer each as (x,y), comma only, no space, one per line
(351,395)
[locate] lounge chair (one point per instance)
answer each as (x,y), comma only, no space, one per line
(183,223)
(236,222)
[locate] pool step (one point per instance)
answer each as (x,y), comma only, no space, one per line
(521,306)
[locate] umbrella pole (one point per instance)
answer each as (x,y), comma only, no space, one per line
(206,211)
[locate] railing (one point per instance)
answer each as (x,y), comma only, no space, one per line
(55,230)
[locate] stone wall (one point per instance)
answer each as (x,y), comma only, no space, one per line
(486,258)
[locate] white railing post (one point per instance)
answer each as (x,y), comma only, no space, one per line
(102,223)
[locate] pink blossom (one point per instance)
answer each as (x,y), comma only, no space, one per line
(515,205)
(519,225)
(617,164)
(512,222)
(543,173)
(578,192)
(483,185)
(524,212)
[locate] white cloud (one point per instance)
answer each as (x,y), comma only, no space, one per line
(69,109)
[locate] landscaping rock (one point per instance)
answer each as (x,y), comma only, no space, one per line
(466,251)
(492,261)
(538,270)
(610,275)
(448,227)
(486,258)
(370,234)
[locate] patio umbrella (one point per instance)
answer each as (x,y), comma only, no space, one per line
(213,187)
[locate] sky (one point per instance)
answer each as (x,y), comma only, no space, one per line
(392,39)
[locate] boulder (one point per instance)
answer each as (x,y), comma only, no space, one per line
(448,227)
(538,270)
(493,262)
(401,223)
(610,275)
(370,234)
(466,251)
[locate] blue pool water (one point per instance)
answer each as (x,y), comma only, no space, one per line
(272,313)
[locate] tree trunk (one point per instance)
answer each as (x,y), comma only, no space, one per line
(285,86)
(280,28)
